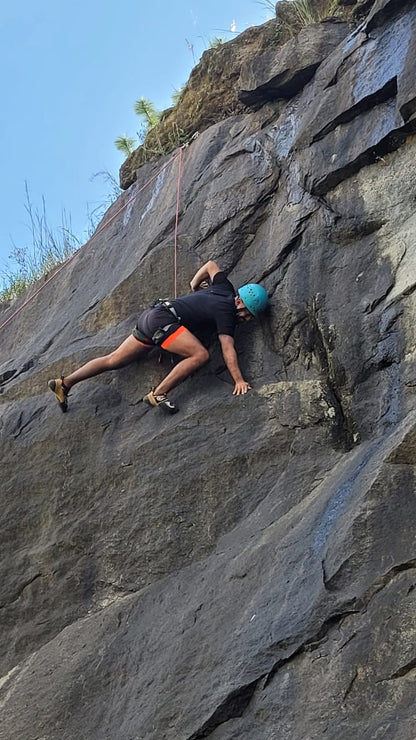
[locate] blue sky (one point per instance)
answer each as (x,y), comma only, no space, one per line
(70,73)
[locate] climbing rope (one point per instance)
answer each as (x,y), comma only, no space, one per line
(104,225)
(175,248)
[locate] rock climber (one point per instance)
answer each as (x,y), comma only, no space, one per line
(171,324)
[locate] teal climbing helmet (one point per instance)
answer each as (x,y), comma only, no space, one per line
(254,297)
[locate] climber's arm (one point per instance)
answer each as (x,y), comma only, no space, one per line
(231,360)
(209,270)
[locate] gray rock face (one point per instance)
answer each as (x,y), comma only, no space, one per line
(245,569)
(269,75)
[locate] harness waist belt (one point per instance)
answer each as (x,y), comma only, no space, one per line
(167,304)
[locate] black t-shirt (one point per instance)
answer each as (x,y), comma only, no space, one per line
(210,309)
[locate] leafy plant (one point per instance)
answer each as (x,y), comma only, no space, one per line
(148,137)
(146,109)
(216,42)
(125,144)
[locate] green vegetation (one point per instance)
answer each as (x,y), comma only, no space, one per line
(125,144)
(307,12)
(146,109)
(148,138)
(47,248)
(302,13)
(153,146)
(96,215)
(216,42)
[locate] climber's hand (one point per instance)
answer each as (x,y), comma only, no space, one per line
(241,387)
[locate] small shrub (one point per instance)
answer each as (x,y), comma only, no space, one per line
(216,42)
(293,15)
(125,144)
(307,13)
(146,110)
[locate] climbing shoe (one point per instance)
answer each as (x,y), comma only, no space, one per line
(61,392)
(161,401)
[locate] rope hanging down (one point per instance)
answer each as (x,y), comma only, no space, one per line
(104,225)
(175,248)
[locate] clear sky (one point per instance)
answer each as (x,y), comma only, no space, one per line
(70,74)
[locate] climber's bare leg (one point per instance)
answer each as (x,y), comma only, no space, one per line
(194,353)
(129,351)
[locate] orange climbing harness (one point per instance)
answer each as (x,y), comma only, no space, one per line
(101,228)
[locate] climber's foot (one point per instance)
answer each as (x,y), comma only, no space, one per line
(60,390)
(162,401)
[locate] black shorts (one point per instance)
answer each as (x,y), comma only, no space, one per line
(157,326)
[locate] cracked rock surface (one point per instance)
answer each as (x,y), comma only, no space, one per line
(246,569)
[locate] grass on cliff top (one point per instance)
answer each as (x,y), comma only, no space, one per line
(47,248)
(303,13)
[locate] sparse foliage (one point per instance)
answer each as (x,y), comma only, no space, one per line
(307,12)
(47,249)
(267,4)
(177,94)
(125,144)
(146,109)
(301,13)
(97,213)
(148,137)
(216,42)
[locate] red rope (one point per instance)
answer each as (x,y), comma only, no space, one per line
(99,230)
(175,250)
